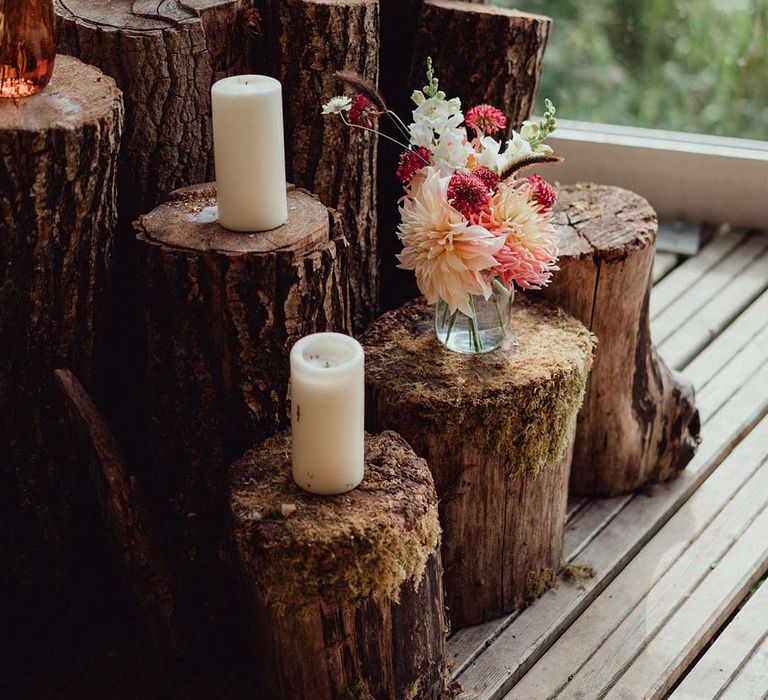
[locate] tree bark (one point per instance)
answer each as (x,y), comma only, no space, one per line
(58,158)
(126,515)
(639,424)
(498,59)
(164,56)
(221,312)
(497,431)
(303,43)
(346,590)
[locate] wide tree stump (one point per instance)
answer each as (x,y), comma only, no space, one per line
(164,56)
(639,424)
(221,312)
(346,590)
(58,159)
(497,432)
(324,156)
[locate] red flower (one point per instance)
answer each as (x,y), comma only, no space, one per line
(363,112)
(486,119)
(468,194)
(411,162)
(542,192)
(487,176)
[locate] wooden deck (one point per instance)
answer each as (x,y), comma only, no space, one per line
(675,605)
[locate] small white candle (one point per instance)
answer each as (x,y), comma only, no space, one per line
(249,152)
(327,413)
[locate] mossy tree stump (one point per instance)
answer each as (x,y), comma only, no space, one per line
(346,590)
(639,424)
(221,312)
(58,162)
(497,432)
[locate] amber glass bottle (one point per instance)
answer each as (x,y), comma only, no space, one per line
(27,46)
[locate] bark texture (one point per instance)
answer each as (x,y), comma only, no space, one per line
(496,56)
(346,590)
(639,424)
(58,159)
(497,431)
(303,43)
(164,56)
(221,312)
(125,513)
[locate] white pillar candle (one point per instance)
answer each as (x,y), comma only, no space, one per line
(249,152)
(327,413)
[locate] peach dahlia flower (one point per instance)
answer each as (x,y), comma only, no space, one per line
(447,254)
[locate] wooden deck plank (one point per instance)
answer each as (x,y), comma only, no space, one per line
(707,288)
(682,345)
(575,504)
(698,619)
(718,353)
(689,271)
(531,633)
(752,680)
(589,523)
(663,264)
(612,632)
(753,356)
(732,649)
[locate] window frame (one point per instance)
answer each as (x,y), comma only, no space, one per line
(684,176)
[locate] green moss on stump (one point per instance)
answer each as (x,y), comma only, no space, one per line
(297,548)
(519,401)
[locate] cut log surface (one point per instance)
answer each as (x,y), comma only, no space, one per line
(639,424)
(58,159)
(346,590)
(221,312)
(303,43)
(165,57)
(498,59)
(497,432)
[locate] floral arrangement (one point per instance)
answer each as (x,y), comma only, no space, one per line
(468,224)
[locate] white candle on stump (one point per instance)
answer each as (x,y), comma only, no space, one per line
(327,413)
(249,152)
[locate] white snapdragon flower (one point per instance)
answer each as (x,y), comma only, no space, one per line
(530,130)
(490,153)
(437,126)
(451,151)
(337,105)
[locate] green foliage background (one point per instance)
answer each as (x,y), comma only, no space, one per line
(686,65)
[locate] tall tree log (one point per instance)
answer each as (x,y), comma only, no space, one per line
(497,432)
(58,161)
(164,56)
(346,590)
(125,513)
(639,424)
(221,311)
(303,43)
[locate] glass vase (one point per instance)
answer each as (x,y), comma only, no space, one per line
(27,46)
(484,330)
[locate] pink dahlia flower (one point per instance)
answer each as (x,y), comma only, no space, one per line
(489,177)
(448,254)
(542,192)
(468,193)
(363,112)
(485,119)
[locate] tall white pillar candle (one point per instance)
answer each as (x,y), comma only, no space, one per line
(327,413)
(249,151)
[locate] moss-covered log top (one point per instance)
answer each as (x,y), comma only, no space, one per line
(297,549)
(519,401)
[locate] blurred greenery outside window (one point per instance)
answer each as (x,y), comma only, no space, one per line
(697,66)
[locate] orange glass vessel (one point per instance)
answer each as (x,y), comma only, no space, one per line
(27,46)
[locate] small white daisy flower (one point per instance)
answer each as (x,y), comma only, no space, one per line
(337,105)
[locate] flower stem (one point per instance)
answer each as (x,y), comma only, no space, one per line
(399,123)
(450,325)
(373,131)
(473,325)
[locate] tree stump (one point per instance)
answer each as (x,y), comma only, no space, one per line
(221,311)
(324,156)
(346,590)
(497,432)
(164,56)
(639,424)
(58,158)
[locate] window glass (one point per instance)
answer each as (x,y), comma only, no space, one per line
(685,65)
